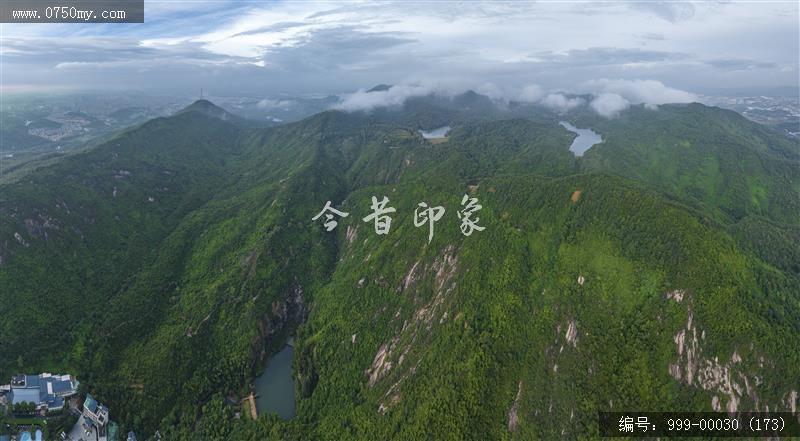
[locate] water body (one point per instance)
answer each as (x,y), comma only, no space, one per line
(441,132)
(584,141)
(275,387)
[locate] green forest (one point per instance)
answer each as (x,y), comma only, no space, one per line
(659,271)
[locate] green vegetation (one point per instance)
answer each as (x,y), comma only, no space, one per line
(165,265)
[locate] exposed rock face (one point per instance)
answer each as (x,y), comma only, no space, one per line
(676,295)
(34,228)
(715,376)
(693,369)
(36,225)
(728,380)
(512,413)
(284,314)
(20,239)
(410,277)
(351,234)
(380,365)
(398,350)
(792,401)
(572,333)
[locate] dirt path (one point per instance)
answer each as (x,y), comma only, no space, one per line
(251,399)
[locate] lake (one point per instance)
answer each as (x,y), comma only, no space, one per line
(274,388)
(584,141)
(441,132)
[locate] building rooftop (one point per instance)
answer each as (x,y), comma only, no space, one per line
(95,411)
(90,404)
(24,396)
(58,387)
(45,390)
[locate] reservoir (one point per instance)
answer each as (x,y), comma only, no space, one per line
(274,388)
(441,132)
(584,141)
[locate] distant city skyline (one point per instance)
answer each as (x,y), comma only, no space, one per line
(507,50)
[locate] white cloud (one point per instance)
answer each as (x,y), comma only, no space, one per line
(331,47)
(493,91)
(610,96)
(531,93)
(393,97)
(671,11)
(648,92)
(560,103)
(398,94)
(609,104)
(267,103)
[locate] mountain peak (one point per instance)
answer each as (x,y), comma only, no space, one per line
(204,105)
(208,108)
(380,88)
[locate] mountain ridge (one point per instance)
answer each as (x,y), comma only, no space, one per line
(396,336)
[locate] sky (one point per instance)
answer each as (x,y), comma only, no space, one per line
(661,50)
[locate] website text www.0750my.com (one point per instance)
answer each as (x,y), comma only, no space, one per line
(66,13)
(72,11)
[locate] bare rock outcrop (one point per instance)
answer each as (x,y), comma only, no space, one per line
(428,313)
(513,417)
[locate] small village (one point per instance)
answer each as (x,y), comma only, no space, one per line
(48,406)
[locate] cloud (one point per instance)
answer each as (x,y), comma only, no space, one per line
(609,104)
(738,64)
(398,94)
(561,103)
(610,96)
(531,93)
(253,48)
(493,91)
(272,28)
(395,96)
(648,92)
(267,103)
(339,48)
(671,11)
(651,36)
(607,56)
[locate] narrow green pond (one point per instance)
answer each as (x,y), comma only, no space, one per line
(274,388)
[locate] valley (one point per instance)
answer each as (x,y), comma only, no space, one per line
(637,275)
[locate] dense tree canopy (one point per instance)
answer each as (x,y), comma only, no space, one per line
(164,266)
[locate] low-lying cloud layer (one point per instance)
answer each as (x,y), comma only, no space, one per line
(609,104)
(560,103)
(609,97)
(614,96)
(393,97)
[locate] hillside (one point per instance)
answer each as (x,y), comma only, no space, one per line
(657,272)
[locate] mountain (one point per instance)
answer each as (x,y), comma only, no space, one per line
(380,88)
(657,272)
(434,111)
(704,154)
(210,109)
